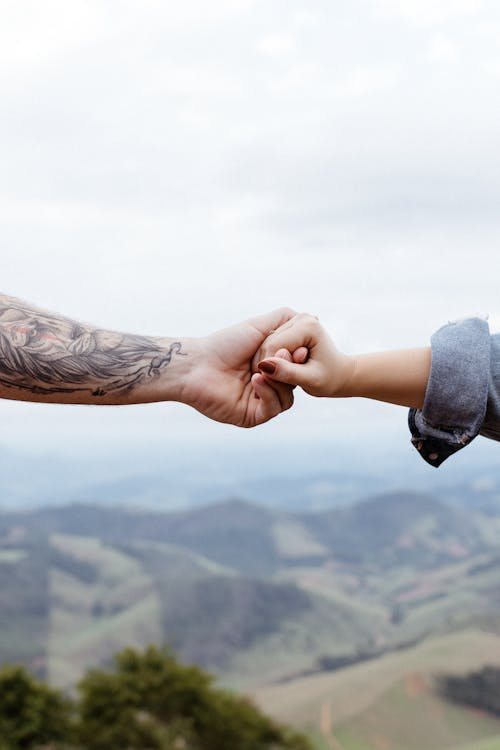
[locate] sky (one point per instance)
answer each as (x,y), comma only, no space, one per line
(172,168)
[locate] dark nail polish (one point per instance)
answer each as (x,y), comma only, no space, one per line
(268,367)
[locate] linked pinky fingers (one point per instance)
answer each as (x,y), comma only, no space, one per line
(283,371)
(301,355)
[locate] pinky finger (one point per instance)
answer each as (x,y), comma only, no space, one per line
(267,402)
(301,355)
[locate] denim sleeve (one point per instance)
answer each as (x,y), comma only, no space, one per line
(491,425)
(461,400)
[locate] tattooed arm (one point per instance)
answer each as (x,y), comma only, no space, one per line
(47,357)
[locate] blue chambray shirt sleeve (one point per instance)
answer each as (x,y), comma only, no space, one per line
(460,392)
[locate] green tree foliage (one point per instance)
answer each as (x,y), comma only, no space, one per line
(477,689)
(147,701)
(31,713)
(151,701)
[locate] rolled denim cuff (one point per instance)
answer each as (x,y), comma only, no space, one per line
(457,392)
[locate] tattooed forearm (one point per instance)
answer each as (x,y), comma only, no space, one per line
(47,354)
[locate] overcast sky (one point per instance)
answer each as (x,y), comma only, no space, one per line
(170,168)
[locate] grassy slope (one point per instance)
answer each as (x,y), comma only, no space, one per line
(102,598)
(23,600)
(90,620)
(410,716)
(298,644)
(491,743)
(198,593)
(352,691)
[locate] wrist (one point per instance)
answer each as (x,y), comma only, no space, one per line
(397,377)
(190,373)
(172,382)
(344,385)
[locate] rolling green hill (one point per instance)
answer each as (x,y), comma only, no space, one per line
(71,601)
(410,716)
(24,597)
(401,528)
(254,594)
(392,702)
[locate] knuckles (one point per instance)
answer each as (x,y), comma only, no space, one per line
(309,322)
(284,314)
(287,312)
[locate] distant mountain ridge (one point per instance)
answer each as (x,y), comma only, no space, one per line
(241,534)
(239,588)
(396,528)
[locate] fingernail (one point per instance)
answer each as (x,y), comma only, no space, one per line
(268,367)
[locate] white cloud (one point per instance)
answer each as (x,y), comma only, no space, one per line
(492,67)
(367,80)
(279,44)
(304,18)
(191,81)
(301,78)
(430,12)
(442,50)
(33,32)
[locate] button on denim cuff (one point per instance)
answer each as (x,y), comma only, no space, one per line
(457,392)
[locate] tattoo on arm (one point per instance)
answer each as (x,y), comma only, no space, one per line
(45,353)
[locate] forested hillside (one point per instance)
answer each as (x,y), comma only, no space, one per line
(147,700)
(254,594)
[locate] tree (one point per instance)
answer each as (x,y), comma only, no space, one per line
(31,713)
(147,701)
(477,689)
(152,702)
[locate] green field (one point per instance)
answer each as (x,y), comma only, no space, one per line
(255,596)
(391,703)
(410,716)
(91,618)
(493,743)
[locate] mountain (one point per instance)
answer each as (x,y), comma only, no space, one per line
(393,701)
(388,529)
(234,532)
(398,528)
(253,593)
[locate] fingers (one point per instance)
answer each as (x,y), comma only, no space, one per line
(272,398)
(272,320)
(299,334)
(300,355)
(283,392)
(284,354)
(276,368)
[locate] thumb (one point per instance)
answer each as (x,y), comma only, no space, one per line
(276,368)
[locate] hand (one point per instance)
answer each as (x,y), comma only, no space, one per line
(223,383)
(323,371)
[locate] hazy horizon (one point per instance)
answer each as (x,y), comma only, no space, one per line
(186,473)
